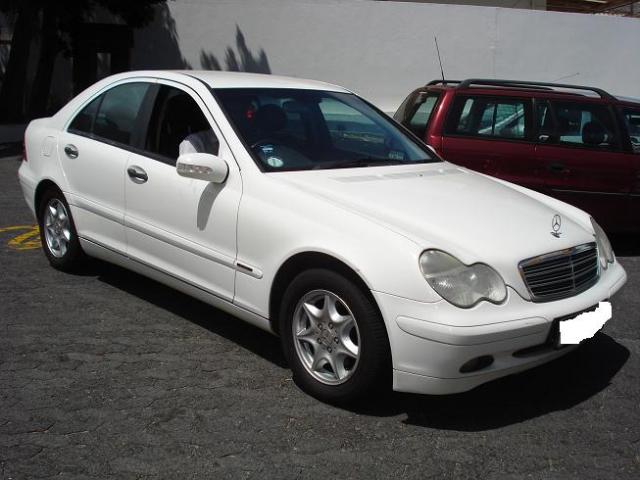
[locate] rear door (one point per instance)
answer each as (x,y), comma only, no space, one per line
(93,152)
(492,134)
(585,163)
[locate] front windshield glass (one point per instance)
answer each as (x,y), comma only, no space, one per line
(294,129)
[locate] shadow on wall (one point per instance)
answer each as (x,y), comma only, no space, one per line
(242,61)
(157,46)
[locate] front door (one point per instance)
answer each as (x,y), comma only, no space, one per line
(181,226)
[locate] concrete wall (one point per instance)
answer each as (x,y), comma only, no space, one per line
(531,4)
(385,49)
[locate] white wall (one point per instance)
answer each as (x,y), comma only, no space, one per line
(533,4)
(385,49)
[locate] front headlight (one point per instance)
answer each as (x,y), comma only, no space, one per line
(460,284)
(604,246)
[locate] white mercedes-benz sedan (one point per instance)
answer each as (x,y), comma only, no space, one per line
(299,207)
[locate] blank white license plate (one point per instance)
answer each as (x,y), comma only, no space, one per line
(584,325)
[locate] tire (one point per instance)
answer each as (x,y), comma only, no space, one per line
(58,233)
(360,352)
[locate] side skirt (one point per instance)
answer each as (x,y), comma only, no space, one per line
(102,252)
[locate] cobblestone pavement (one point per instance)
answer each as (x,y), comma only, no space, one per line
(108,374)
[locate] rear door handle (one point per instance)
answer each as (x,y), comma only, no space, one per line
(71,151)
(137,174)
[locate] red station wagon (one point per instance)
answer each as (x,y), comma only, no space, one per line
(578,144)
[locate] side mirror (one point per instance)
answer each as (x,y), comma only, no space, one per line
(202,166)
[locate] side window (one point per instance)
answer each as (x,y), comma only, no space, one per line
(178,126)
(489,117)
(585,124)
(632,122)
(118,112)
(417,118)
(83,122)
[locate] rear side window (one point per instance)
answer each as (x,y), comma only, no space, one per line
(632,122)
(500,118)
(584,124)
(118,112)
(113,115)
(416,111)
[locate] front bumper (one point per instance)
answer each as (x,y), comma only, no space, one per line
(431,341)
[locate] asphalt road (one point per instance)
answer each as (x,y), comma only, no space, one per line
(108,374)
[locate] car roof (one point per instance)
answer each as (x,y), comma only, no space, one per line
(218,79)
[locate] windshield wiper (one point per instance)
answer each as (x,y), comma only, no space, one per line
(359,162)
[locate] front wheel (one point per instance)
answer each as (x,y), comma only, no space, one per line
(334,337)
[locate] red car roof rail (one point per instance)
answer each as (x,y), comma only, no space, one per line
(442,82)
(532,85)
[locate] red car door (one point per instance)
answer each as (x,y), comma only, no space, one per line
(584,161)
(492,135)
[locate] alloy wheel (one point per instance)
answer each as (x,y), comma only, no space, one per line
(326,337)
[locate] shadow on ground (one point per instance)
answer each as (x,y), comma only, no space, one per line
(247,336)
(556,386)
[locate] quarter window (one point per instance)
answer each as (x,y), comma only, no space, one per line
(83,122)
(489,117)
(632,122)
(588,125)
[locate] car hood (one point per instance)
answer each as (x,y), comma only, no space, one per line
(440,205)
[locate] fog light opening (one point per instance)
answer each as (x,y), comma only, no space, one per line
(476,364)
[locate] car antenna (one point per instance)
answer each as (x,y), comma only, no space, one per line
(439,59)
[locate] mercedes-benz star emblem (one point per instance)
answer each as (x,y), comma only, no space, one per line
(556,223)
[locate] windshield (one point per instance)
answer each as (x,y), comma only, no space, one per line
(293,129)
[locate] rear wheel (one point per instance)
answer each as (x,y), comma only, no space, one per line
(334,337)
(57,231)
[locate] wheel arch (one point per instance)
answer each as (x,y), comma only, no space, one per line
(301,262)
(42,187)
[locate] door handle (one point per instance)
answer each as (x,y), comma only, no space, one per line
(137,174)
(556,167)
(71,151)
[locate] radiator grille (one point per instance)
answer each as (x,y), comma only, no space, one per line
(561,274)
